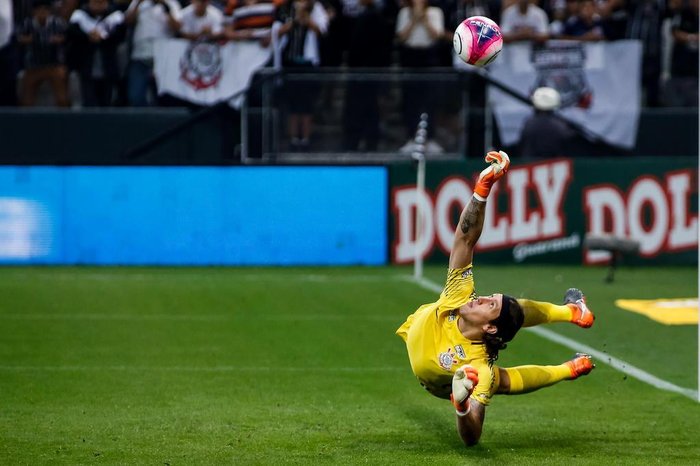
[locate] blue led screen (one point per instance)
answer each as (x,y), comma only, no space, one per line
(193,215)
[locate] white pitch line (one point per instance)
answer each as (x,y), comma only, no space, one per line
(613,362)
(202,318)
(232,369)
(118,317)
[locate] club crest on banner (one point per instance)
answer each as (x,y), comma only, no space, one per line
(599,85)
(200,65)
(560,65)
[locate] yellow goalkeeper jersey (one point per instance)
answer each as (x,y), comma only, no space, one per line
(437,348)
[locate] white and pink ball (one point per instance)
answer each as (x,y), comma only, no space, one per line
(478,40)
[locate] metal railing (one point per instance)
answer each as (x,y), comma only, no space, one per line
(365,114)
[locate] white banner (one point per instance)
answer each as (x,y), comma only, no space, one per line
(599,83)
(206,73)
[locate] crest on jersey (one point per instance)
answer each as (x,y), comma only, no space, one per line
(200,66)
(447,359)
(452,316)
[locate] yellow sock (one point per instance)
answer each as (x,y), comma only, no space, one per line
(537,312)
(525,379)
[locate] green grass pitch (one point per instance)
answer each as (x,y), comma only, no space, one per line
(301,366)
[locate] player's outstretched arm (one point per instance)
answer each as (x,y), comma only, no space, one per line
(470,413)
(471,221)
(469,426)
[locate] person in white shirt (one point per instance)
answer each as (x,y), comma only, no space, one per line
(201,21)
(8,69)
(419,28)
(151,20)
(524,21)
(296,35)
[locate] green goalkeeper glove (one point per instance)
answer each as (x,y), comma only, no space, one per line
(463,383)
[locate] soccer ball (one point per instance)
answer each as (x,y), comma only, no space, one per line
(477,40)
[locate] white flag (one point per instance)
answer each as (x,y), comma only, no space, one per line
(206,73)
(599,83)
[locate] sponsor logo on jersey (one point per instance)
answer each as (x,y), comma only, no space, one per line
(460,352)
(447,359)
(466,273)
(452,317)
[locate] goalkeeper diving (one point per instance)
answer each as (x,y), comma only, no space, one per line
(454,342)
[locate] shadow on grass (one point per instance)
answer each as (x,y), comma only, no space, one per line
(502,438)
(440,430)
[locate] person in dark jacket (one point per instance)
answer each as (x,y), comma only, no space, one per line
(94,33)
(42,37)
(370,46)
(544,135)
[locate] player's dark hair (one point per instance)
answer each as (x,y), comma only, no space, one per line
(507,325)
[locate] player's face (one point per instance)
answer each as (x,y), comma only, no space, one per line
(483,309)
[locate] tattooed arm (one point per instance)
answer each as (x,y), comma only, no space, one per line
(471,222)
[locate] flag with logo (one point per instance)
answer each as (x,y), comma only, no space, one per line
(206,73)
(599,84)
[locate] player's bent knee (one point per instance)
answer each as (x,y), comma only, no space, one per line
(504,381)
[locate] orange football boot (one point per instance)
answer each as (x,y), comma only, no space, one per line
(580,364)
(581,315)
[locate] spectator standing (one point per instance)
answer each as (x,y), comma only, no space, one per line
(562,12)
(419,29)
(613,14)
(150,20)
(645,18)
(369,47)
(201,21)
(345,16)
(8,64)
(682,88)
(457,11)
(334,40)
(586,25)
(67,7)
(544,135)
(250,19)
(42,37)
(298,34)
(524,21)
(121,5)
(446,125)
(94,33)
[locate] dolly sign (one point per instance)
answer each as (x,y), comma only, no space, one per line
(541,212)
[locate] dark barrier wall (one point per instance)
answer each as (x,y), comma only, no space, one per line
(541,212)
(102,137)
(171,215)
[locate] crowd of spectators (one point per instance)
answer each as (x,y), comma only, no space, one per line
(109,44)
